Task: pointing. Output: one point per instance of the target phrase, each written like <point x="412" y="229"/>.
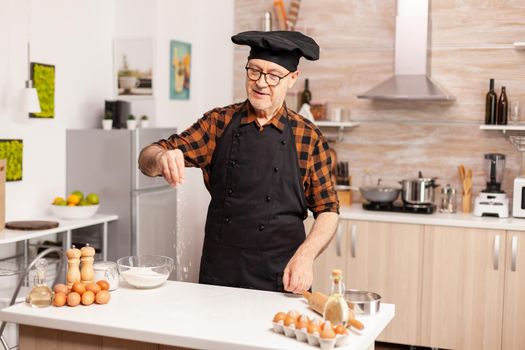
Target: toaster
<point x="518" y="198"/>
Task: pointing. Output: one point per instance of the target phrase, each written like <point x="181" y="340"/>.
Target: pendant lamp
<point x="30" y="101"/>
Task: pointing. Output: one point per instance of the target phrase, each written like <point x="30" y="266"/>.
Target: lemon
<point x="92" y="198"/>
<point x="58" y="201"/>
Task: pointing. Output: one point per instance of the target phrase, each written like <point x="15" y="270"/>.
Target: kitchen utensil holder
<point x="466" y="204"/>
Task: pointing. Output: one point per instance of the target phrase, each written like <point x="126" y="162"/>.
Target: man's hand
<point x="298" y="274"/>
<point x="171" y="165"/>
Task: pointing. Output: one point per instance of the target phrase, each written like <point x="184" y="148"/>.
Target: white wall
<point x="77" y="37"/>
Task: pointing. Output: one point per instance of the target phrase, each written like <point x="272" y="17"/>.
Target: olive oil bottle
<point x="41" y="295"/>
<point x="336" y="308"/>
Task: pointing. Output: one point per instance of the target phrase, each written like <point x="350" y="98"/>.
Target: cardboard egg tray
<point x="312" y="339"/>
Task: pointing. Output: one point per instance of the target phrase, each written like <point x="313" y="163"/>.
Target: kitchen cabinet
<point x="332" y="257"/>
<point x="514" y="303"/>
<point x="462" y="290"/>
<point x="453" y="287"/>
<point x="386" y="258"/>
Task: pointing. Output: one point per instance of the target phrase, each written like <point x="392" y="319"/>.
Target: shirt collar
<point x="277" y="120"/>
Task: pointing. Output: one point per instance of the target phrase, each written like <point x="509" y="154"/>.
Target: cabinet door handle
<point x="514" y="249"/>
<point x="338" y="237"/>
<point x="353" y="237"/>
<point x="495" y="263"/>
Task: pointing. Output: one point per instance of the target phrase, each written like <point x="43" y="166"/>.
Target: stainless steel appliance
<point x="105" y="162"/>
<point x="492" y="201"/>
<point x="518" y="198"/>
<point x="417" y="195"/>
<point x="419" y="191"/>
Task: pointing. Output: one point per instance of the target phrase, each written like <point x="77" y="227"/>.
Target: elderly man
<point x="264" y="166"/>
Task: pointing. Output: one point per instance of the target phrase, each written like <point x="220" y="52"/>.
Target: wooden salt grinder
<point x="87" y="272"/>
<point x="73" y="270"/>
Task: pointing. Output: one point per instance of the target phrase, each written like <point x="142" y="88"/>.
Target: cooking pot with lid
<point x="380" y="193"/>
<point x="419" y="191"/>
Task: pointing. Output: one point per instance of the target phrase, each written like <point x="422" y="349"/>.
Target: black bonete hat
<point x="282" y="47"/>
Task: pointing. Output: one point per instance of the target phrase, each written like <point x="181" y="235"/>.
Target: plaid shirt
<point x="198" y="143"/>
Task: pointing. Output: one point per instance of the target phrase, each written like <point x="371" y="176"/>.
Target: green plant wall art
<point x="12" y="151"/>
<point x="43" y="76"/>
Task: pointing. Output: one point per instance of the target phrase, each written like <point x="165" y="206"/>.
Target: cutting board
<point x="31" y="225"/>
<point x="2" y="193"/>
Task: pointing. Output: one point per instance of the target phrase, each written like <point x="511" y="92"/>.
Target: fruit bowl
<point x="145" y="271"/>
<point x="74" y="212"/>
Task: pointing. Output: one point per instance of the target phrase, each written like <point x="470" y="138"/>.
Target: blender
<point x="492" y="201"/>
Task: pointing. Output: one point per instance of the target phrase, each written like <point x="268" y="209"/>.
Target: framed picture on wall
<point x="12" y="151"/>
<point x="43" y="77"/>
<point x="180" y="70"/>
<point x="133" y="67"/>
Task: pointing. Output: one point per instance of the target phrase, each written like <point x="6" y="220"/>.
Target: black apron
<point x="255" y="217"/>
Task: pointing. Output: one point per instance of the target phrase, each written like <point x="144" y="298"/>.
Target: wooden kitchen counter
<point x="177" y="315"/>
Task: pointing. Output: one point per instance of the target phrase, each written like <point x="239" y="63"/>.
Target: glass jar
<point x="448" y="200"/>
<point x="107" y="270"/>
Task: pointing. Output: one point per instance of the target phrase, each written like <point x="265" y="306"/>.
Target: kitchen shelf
<point x="519" y="45"/>
<point x="340" y="125"/>
<point x="514" y="133"/>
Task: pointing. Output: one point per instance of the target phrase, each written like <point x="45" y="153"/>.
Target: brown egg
<point x="289" y="321"/>
<point x="61" y="288"/>
<point x="326" y="324"/>
<point x="103" y="284"/>
<point x="88" y="297"/>
<point x="102" y="297"/>
<point x="95" y="288"/>
<point x="313" y="327"/>
<point x="302" y="322"/>
<point x="340" y="329"/>
<point x="327" y="333"/>
<point x="280" y="316"/>
<point x="60" y="299"/>
<point x="293" y="313"/>
<point x="73" y="299"/>
<point x="78" y="287"/>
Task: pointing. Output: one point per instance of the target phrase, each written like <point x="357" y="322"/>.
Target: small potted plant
<point x="131" y="122"/>
<point x="107" y="122"/>
<point x="144" y="121"/>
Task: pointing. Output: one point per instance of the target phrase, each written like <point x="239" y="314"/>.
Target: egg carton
<point x="312" y="339"/>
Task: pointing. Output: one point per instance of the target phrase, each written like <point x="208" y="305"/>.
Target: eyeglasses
<point x="270" y="79"/>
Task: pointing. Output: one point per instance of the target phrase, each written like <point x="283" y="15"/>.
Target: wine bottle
<point x="491" y="103"/>
<point x="306" y="95"/>
<point x="503" y="107"/>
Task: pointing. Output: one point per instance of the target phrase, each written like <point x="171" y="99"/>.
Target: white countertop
<point x="356" y="212"/>
<point x="10" y="236"/>
<point x="190" y="315"/>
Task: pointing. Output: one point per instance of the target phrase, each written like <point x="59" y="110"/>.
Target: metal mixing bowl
<point x="364" y="303"/>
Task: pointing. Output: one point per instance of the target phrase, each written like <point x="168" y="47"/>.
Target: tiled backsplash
<point x="470" y="43"/>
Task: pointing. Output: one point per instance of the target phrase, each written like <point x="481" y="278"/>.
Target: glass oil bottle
<point x="41" y="295"/>
<point x="336" y="308"/>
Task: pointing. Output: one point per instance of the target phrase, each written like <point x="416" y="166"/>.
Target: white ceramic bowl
<point x="145" y="271"/>
<point x="76" y="212"/>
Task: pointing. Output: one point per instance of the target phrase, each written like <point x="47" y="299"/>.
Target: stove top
<point x="400" y="208"/>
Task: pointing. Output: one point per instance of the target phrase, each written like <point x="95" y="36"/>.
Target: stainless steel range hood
<point x="411" y="80"/>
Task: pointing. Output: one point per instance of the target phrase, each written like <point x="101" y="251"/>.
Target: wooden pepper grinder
<point x="73" y="262"/>
<point x="87" y="272"/>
